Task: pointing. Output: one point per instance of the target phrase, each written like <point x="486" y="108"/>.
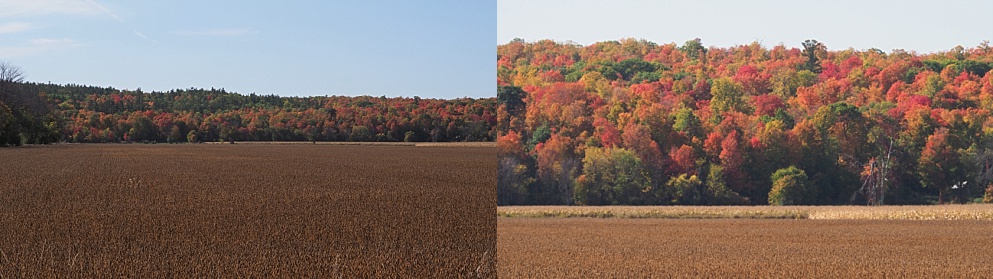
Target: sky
<point x="921" y="26"/>
<point x="431" y="49"/>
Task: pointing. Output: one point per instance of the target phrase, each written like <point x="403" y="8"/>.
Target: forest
<point x="635" y="122"/>
<point x="46" y="113"/>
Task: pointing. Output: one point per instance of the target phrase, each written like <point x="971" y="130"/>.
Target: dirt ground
<point x="743" y="248"/>
<point x="258" y="211"/>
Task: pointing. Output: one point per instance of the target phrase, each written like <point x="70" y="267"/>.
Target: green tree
<point x="728" y="96"/>
<point x="541" y="134"/>
<point x="717" y="192"/>
<point x="613" y="176"/>
<point x="686" y="189"/>
<point x="810" y="50"/>
<point x="513" y="98"/>
<point x="785" y="82"/>
<point x="688" y="123"/>
<point x="789" y="187"/>
<point x="26" y="117"/>
<point x="513" y="181"/>
<point x="360" y="133"/>
<point x="175" y="135"/>
<point x="192" y="136"/>
<point x="143" y="130"/>
<point x="694" y="49"/>
<point x="629" y="68"/>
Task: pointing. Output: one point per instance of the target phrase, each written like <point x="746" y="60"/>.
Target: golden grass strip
<point x="921" y="212"/>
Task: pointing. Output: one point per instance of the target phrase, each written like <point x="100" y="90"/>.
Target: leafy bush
<point x="686" y="189"/>
<point x="717" y="192"/>
<point x="612" y="176"/>
<point x="789" y="186"/>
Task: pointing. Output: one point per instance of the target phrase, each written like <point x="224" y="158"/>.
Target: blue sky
<point x="921" y="26"/>
<point x="432" y="49"/>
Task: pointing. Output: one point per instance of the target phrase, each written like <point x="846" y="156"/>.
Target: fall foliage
<point x="688" y="124"/>
<point x="96" y="114"/>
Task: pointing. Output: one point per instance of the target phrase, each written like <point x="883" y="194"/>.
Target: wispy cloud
<point x="37" y="46"/>
<point x="28" y="8"/>
<point x="14" y="27"/>
<point x="54" y="42"/>
<point x="216" y="32"/>
<point x="144" y="37"/>
<point x="22" y="8"/>
<point x="104" y="9"/>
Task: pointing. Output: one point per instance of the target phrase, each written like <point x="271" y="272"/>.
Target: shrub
<point x="612" y="176"/>
<point x="789" y="186"/>
<point x="686" y="190"/>
<point x="717" y="192"/>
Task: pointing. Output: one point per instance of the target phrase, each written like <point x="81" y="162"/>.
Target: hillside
<point x="636" y="122"/>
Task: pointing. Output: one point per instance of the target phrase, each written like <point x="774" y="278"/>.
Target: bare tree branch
<point x="10" y="73"/>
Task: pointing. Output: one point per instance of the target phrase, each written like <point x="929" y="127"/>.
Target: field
<point x="421" y="144"/>
<point x="324" y="211"/>
<point x="745" y="242"/>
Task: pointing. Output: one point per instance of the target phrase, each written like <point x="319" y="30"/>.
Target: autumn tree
<point x="939" y="166"/>
<point x="735" y="116"/>
<point x="785" y="82"/>
<point x="557" y="168"/>
<point x="637" y="139"/>
<point x="728" y="96"/>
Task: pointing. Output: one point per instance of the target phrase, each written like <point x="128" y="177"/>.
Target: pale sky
<point x="431" y="48"/>
<point x="922" y="26"/>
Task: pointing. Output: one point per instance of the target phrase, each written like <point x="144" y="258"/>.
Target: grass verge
<point x="923" y="212"/>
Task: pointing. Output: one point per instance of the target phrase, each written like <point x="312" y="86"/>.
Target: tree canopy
<point x="43" y="113"/>
<point x="713" y="125"/>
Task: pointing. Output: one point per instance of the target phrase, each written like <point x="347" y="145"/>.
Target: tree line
<point x="45" y="113"/>
<point x="636" y="122"/>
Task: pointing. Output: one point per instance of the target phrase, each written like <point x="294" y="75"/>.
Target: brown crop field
<point x="743" y="248"/>
<point x="312" y="211"/>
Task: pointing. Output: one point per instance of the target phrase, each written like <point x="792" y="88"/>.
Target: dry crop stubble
<point x="890" y="212"/>
<point x="247" y="211"/>
<point x="743" y="248"/>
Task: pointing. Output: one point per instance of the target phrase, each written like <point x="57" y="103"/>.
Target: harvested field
<point x="916" y="212"/>
<point x="743" y="248"/>
<point x="313" y="211"/>
<point x="421" y="144"/>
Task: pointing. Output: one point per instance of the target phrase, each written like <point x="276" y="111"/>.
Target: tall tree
<point x="810" y="50"/>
